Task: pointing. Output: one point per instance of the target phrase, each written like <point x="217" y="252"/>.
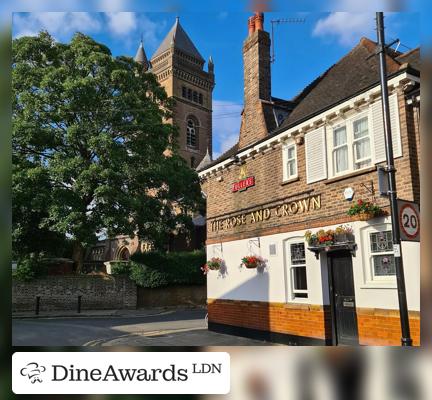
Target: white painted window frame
<point x="348" y="123"/>
<point x="289" y="278"/>
<point x="286" y="175"/>
<point x="370" y="280"/>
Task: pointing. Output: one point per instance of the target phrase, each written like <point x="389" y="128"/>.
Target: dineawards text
<point x="112" y="374"/>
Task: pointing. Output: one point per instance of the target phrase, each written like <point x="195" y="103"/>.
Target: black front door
<point x="343" y="298"/>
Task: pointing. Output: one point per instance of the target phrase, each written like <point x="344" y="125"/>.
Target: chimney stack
<point x="257" y="83"/>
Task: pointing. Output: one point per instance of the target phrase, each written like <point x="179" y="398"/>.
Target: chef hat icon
<point x="33" y="371"/>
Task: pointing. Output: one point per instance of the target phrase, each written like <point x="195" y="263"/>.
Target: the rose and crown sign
<point x="281" y="210"/>
<point x="244" y="181"/>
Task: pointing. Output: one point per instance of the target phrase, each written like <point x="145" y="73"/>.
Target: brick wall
<point x="60" y="293"/>
<point x="269" y="189"/>
<point x="375" y="326"/>
<point x="294" y="319"/>
<point x="382" y="327"/>
<point x="257" y="87"/>
<point x="185" y="295"/>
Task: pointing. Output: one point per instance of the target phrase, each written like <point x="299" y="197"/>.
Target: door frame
<point x="334" y="338"/>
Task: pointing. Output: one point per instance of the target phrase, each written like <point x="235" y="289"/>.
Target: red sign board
<point x="243" y="184"/>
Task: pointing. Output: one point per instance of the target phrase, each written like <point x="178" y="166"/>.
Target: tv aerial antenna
<point x="278" y="22"/>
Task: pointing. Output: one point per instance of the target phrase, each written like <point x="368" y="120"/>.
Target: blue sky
<point x="303" y="50"/>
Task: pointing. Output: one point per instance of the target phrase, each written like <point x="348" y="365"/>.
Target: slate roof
<point x="205" y="161"/>
<point x="352" y="74"/>
<point x="141" y="57"/>
<point x="181" y="41"/>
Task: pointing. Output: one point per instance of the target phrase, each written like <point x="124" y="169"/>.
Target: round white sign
<point x="409" y="221"/>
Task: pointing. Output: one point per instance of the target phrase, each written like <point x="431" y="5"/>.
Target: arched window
<point x="189" y="96"/>
<point x="200" y="98"/>
<point x="184" y="91"/>
<point x="195" y="97"/>
<point x="191" y="132"/>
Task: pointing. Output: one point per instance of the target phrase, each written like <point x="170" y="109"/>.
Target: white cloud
<point x="226" y="125"/>
<point x="121" y="23"/>
<point x="347" y="28"/>
<point x="57" y="24"/>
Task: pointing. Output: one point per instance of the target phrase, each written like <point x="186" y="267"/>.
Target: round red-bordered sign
<point x="409" y="221"/>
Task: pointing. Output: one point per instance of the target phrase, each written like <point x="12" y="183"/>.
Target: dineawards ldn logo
<point x="33" y="371"/>
<point x="121" y="373"/>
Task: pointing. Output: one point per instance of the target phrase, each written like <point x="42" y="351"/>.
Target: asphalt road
<point x="171" y="328"/>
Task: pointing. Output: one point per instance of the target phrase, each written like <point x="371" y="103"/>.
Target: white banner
<point x="120" y="373"/>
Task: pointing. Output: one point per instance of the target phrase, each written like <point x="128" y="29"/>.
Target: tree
<point x="93" y="152"/>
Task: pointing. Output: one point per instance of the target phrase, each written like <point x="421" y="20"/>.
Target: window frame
<point x="348" y="123"/>
<point x="286" y="176"/>
<point x="370" y="280"/>
<point x="195" y="127"/>
<point x="291" y="291"/>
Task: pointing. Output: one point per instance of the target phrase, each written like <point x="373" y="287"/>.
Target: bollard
<point x="79" y="304"/>
<point x="37" y="305"/>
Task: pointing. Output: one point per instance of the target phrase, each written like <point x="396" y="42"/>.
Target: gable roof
<point x="180" y="39"/>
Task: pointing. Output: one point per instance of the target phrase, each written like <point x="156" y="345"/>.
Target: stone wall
<point x="61" y="293"/>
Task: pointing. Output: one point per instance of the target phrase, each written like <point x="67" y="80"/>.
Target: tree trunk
<point x="78" y="256"/>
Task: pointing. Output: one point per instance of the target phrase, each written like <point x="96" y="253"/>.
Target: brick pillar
<point x="257" y="82"/>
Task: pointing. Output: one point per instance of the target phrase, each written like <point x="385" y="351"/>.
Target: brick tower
<point x="179" y="68"/>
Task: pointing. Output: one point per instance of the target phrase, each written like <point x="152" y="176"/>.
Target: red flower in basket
<point x="253" y="262"/>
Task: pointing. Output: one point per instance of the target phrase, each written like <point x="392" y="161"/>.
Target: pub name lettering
<point x="283" y="210"/>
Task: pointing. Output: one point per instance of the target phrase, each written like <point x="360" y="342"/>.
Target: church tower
<point x="179" y="68"/>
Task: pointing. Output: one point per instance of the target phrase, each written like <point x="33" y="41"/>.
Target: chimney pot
<point x="259" y="21"/>
<point x="251" y="25"/>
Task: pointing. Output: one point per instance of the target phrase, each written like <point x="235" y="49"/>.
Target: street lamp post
<point x="391" y="171"/>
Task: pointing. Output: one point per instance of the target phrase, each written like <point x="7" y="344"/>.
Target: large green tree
<point x="93" y="152"/>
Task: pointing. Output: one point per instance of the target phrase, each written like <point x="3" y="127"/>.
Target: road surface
<point x="169" y="328"/>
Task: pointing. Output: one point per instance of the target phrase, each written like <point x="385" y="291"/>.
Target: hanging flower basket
<point x="365" y="210"/>
<point x="252" y="262"/>
<point x="214" y="264"/>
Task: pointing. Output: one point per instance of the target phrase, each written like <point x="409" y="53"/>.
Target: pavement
<point x="99" y="313"/>
<point x="150" y="327"/>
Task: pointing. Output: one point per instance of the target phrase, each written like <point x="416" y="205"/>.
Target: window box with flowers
<point x="365" y="210"/>
<point x="331" y="239"/>
<point x="251" y="262"/>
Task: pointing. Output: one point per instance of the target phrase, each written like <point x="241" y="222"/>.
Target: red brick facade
<point x="270" y="189"/>
<point x="376" y="327"/>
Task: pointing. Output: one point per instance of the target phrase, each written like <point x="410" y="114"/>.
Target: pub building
<point x="283" y="191"/>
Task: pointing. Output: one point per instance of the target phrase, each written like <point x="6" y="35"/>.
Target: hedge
<point x="156" y="269"/>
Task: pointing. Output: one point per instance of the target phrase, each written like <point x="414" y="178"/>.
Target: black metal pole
<point x="403" y="309"/>
<point x="79" y="304"/>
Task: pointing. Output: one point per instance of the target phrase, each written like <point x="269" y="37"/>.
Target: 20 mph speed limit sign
<point x="409" y="221"/>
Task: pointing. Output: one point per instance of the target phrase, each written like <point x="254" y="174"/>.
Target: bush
<point x="156" y="269"/>
<point x="29" y="268"/>
<point x="120" y="268"/>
